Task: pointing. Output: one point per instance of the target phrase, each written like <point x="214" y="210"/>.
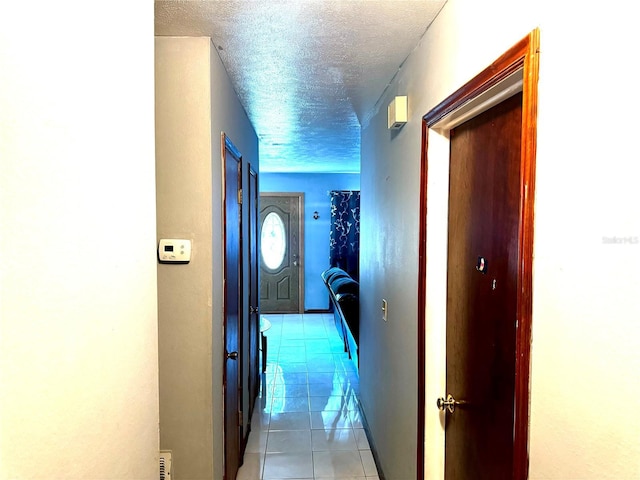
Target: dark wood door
<point x="484" y="203"/>
<point x="232" y="309"/>
<point x="281" y="262"/>
<point x="254" y="294"/>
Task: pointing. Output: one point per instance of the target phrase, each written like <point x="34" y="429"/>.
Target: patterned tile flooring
<point x="306" y="424"/>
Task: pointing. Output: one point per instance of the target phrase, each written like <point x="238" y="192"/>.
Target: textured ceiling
<point x="308" y="72"/>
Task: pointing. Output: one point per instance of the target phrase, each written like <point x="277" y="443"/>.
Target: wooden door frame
<point x="253" y="201"/>
<point x="301" y="271"/>
<point x="517" y="69"/>
<point x="226" y="145"/>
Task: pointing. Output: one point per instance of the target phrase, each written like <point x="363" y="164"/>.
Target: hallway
<point x="306" y="424"/>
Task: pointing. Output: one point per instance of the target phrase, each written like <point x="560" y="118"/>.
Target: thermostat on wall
<point x="174" y="250"/>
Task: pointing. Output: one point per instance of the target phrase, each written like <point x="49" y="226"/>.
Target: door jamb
<point x="253" y="203"/>
<point x="481" y="93"/>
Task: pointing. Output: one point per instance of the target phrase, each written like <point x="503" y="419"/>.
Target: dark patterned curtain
<point x="344" y="251"/>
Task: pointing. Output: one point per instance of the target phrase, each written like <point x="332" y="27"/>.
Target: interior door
<point x="254" y="311"/>
<point x="281" y="269"/>
<point x="482" y="284"/>
<point x="232" y="308"/>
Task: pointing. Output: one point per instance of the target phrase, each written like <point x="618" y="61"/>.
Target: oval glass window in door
<point x="273" y="241"/>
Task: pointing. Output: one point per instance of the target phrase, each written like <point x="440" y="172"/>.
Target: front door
<point x="281" y="253"/>
<point x="232" y="385"/>
<point x="482" y="283"/>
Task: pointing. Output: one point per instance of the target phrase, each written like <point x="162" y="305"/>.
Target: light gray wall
<point x="194" y="104"/>
<point x="390" y="176"/>
<point x="585" y="330"/>
<point x="229" y="116"/>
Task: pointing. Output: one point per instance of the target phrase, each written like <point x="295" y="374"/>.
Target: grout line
<point x="278" y="335"/>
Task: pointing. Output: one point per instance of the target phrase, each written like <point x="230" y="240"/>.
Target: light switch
<point x="174" y="250"/>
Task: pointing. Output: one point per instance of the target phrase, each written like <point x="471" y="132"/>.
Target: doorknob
<point x="448" y="404"/>
<point x="232" y="355"/>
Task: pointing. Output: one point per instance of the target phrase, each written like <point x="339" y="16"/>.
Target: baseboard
<point x="317" y="310"/>
<point x="374" y="451"/>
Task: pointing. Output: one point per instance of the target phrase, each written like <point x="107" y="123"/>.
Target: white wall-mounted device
<point x="174" y="250"/>
<point x="397" y="113"/>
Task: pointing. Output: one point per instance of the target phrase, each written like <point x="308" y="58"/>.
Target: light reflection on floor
<point x="306" y="424"/>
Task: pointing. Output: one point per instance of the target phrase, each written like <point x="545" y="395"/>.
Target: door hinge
<point x="240" y="418"/>
<point x="239" y="196"/>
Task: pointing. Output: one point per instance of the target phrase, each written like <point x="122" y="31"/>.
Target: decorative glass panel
<point x="273" y="241"/>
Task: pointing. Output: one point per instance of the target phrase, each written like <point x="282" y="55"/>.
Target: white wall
<point x="78" y="331"/>
<point x="586" y="336"/>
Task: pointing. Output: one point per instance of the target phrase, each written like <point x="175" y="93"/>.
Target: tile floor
<point x="306" y="424"/>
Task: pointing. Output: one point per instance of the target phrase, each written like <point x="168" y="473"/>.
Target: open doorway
<point x="317" y="221"/>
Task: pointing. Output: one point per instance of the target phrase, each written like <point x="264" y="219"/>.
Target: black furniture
<point x="344" y="294"/>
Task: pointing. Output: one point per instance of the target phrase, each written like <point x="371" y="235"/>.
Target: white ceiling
<point x="308" y="72"/>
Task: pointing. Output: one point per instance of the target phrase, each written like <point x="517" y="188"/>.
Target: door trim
<point x="230" y="462"/>
<point x="517" y="69"/>
<point x="253" y="203"/>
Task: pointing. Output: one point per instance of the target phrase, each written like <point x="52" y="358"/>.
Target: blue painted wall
<point x="316" y="187"/>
